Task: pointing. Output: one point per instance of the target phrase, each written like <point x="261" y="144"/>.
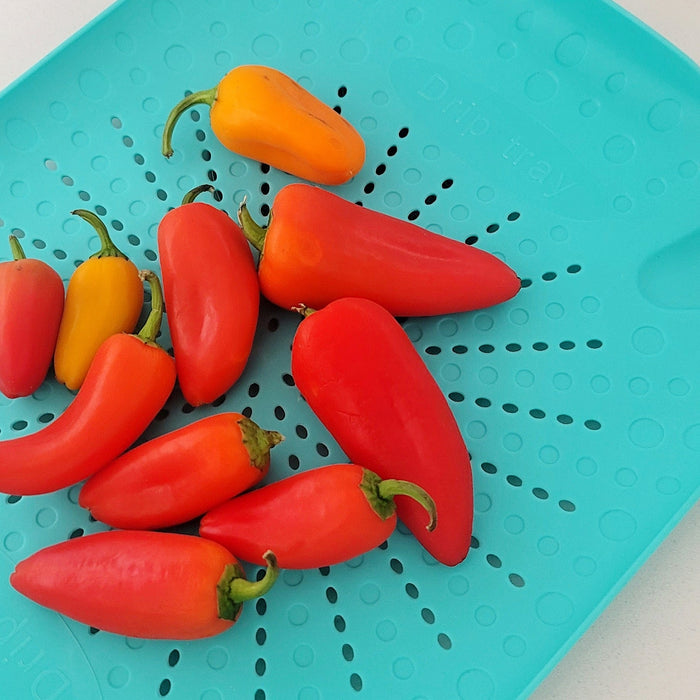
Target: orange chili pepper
<point x="128" y="382"/>
<point x="261" y="113"/>
<point x="104" y="297"/>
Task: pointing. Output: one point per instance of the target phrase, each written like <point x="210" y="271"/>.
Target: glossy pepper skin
<point x="363" y="378"/>
<point x="314" y="518"/>
<point x="104" y="297"/>
<point x="263" y="114"/>
<point x="176" y="477"/>
<point x="212" y="297"/>
<point x="152" y="585"/>
<point x="31" y="304"/>
<point x="319" y="247"/>
<point x="129" y="381"/>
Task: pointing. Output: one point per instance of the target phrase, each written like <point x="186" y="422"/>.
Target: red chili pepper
<point x="364" y="379"/>
<point x="31" y="304"/>
<point x="175" y="477"/>
<point x="314" y="518"/>
<point x="211" y="294"/>
<point x="137" y="583"/>
<point x="127" y="383"/>
<point x="319" y="247"/>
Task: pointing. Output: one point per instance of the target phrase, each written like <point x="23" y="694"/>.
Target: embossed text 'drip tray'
<point x="562" y="136"/>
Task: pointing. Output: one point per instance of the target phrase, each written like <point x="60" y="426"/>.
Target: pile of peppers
<point x="348" y="272"/>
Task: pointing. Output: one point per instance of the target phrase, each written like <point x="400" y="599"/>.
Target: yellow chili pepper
<point x="261" y="113"/>
<point x="104" y="297"/>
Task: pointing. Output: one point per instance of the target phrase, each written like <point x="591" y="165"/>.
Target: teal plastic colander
<point x="562" y="136"/>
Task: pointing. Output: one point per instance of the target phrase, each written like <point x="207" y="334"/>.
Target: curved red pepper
<point x="314" y="518"/>
<point x="137" y="583"/>
<point x="362" y="376"/>
<point x="128" y="382"/>
<point x="175" y="477"/>
<point x="31" y="304"/>
<point x="319" y="247"/>
<point x="211" y="294"/>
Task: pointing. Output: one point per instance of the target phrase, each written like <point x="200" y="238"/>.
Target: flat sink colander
<point x="561" y="136"/>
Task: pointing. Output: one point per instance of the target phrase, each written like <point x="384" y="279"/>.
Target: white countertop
<point x="646" y="644"/>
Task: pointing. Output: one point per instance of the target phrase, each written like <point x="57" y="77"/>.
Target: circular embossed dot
<point x="450" y="372"/>
<point x="412" y="175"/>
<point x="13" y="541"/>
<point x="21" y="134"/>
<point x="656" y="186"/>
<point x="549" y="454"/>
<point x="134" y="643"/>
<point x="527" y="246"/>
<point x="217" y="658"/>
<point x="369" y="593"/>
<point x="476" y="429"/>
<point x="688" y="169"/>
<point x="482" y="502"/>
<point x="393" y="199"/>
<point x="151" y="105"/>
<point x="485" y="193"/>
<point x="386" y="630"/>
<point x="600" y="384"/>
<point x="46" y="517"/>
<point x="165" y="14"/>
<point x="512" y="442"/>
<point x="19" y="188"/>
<point x="514" y="646"/>
<point x="638" y="386"/>
<point x="118" y="676"/>
<point x="626" y="477"/>
<point x="586" y="466"/>
<point x="562" y="381"/>
<point x="292" y="577"/>
<point x="507" y="50"/>
<point x="525" y="20"/>
<point x="403" y="668"/>
<point x="691" y="437"/>
<point x="93" y="84"/>
<point x="309" y="693"/>
<point x="519" y="317"/>
<point x="648" y="340"/>
<point x="619" y="149"/>
<point x="483" y="322"/>
<point x="623" y="203"/>
<point x="589" y="108"/>
<point x="559" y="233"/>
<point x="475" y="683"/>
<point x="514" y="524"/>
<point x="525" y="378"/>
<point x="665" y="115"/>
<point x="303" y="656"/>
<point x="458" y="36"/>
<point x="298" y="614"/>
<point x="584" y="566"/>
<point x="668" y="485"/>
<point x="554" y="608"/>
<point x="458" y="584"/>
<point x="616" y="82"/>
<point x="79" y="139"/>
<point x="448" y="327"/>
<point x="554" y="310"/>
<point x="218" y="29"/>
<point x="45" y="208"/>
<point x="646" y="432"/>
<point x="617" y="525"/>
<point x="459" y="212"/>
<point x="488" y="375"/>
<point x="223" y="58"/>
<point x="211" y="694"/>
<point x="678" y="386"/>
<point x="354" y="50"/>
<point x="485" y="615"/>
<point x="571" y="50"/>
<point x="431" y="152"/>
<point x="548" y="546"/>
<point x="99" y="163"/>
<point x="177" y="57"/>
<point x="590" y="304"/>
<point x="59" y="111"/>
<point x="266" y="45"/>
<point x="540" y="87"/>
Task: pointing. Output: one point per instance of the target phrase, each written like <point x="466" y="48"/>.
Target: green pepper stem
<point x="303" y="309"/>
<point x="195" y="192"/>
<point x="258" y="442"/>
<point x="108" y="249"/>
<point x="240" y="589"/>
<point x="16" y="248"/>
<point x="202" y="97"/>
<point x="252" y="230"/>
<point x="388" y="488"/>
<point x="151" y="327"/>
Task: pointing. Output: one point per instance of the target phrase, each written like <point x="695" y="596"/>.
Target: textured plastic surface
<point x="560" y="135"/>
